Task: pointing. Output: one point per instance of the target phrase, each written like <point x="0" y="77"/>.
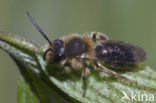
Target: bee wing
<point x="118" y="52"/>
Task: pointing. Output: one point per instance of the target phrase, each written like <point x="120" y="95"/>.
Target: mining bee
<point x="78" y="50"/>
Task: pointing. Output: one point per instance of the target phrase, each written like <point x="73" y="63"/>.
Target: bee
<point x="93" y="47"/>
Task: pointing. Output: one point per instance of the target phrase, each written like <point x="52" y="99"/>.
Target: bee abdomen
<point x="116" y="52"/>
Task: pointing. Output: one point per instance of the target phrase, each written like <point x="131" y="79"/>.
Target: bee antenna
<point x="39" y="29"/>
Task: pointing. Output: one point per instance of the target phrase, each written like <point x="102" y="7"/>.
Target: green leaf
<point x="24" y="93"/>
<point x="51" y="85"/>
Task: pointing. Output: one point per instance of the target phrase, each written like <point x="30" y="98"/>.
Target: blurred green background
<point x="133" y="21"/>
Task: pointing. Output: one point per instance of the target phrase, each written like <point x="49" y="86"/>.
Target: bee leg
<point x="110" y="72"/>
<point x="84" y="75"/>
<point x="94" y="37"/>
<point x="67" y="66"/>
<point x="101" y="36"/>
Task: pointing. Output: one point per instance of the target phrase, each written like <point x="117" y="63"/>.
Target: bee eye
<point x="59" y="46"/>
<point x="59" y="43"/>
<point x="59" y="51"/>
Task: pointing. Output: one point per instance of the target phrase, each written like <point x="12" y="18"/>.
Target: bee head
<point x="56" y="51"/>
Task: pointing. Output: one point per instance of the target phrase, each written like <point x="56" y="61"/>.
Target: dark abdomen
<point x="117" y="52"/>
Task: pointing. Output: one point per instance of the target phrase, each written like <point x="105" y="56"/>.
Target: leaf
<point x="24" y="94"/>
<point x="51" y="85"/>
